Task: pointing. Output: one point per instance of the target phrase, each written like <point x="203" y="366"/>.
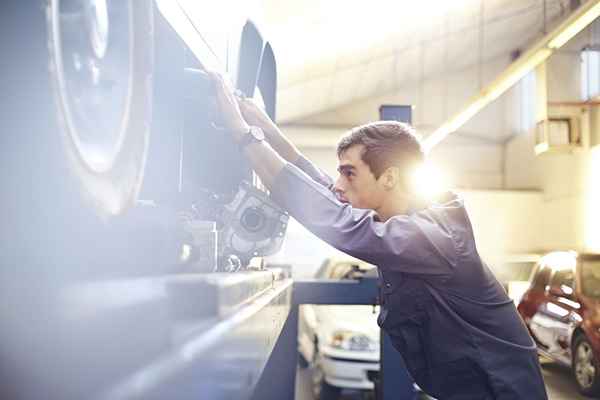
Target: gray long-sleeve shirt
<point x="457" y="330"/>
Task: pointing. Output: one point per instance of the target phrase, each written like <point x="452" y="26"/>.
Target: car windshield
<point x="345" y="270"/>
<point x="590" y="278"/>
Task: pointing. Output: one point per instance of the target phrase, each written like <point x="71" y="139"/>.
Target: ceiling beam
<point x="534" y="56"/>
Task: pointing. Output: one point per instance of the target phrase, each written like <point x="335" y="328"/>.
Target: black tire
<point x="586" y="368"/>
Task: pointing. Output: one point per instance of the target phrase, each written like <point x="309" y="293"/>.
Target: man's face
<point x="356" y="183"/>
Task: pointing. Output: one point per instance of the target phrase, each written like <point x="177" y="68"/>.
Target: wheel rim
<point x="92" y="47"/>
<point x="585" y="370"/>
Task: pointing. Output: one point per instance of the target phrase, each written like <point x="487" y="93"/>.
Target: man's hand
<point x="239" y="113"/>
<point x="254" y="115"/>
<point x="228" y="105"/>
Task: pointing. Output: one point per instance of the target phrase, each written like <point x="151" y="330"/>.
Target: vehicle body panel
<point x="556" y="309"/>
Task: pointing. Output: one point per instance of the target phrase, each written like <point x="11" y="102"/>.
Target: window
<point x="564" y="280"/>
<point x="339" y="271"/>
<point x="541" y="277"/>
<point x="590" y="73"/>
<point x="558" y="133"/>
<point x="322" y="271"/>
<point x="527" y="95"/>
<point x="590" y="278"/>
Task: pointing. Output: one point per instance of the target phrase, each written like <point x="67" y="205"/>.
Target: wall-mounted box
<point x="558" y="134"/>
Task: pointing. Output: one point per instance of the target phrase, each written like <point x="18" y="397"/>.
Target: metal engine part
<point x="202" y="254"/>
<point x="253" y="225"/>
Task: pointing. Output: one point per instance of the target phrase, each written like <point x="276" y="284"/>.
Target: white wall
<point x="505" y="221"/>
<point x="550" y="201"/>
<point x="471" y="158"/>
<point x="567" y="180"/>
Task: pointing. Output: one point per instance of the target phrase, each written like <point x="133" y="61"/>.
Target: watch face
<point x="257" y="133"/>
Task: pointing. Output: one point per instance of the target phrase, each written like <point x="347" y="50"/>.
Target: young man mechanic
<point x="457" y="330"/>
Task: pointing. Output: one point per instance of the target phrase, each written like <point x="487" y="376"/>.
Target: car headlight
<point x="353" y="341"/>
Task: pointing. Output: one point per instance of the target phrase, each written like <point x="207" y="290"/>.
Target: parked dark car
<point x="561" y="308"/>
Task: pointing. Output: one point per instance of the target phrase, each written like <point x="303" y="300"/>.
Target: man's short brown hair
<point x="386" y="144"/>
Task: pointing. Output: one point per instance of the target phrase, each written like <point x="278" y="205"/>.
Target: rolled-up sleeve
<point x="411" y="244"/>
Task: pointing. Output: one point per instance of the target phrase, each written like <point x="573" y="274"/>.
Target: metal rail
<point x="278" y="380"/>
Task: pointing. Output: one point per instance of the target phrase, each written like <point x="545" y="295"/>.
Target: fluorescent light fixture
<point x="588" y="13"/>
<point x="516" y="72"/>
<point x="453" y="124"/>
<point x="513" y="74"/>
<point x="535" y="56"/>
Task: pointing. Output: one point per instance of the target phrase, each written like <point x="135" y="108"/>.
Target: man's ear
<point x="390" y="178"/>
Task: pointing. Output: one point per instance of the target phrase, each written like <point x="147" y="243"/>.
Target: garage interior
<point x="440" y="66"/>
<point x="441" y="59"/>
<point x="503" y="94"/>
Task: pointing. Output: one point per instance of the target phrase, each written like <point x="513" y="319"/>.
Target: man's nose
<point x="338" y="189"/>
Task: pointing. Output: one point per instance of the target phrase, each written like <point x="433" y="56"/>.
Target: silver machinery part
<point x="253" y="225"/>
<point x="201" y="256"/>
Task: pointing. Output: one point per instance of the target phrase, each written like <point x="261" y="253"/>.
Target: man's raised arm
<point x="410" y="244"/>
<point x="254" y="115"/>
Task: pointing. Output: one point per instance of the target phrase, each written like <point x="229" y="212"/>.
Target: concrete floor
<point x="559" y="384"/>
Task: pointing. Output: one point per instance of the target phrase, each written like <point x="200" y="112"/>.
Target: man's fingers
<point x="222" y="88"/>
<point x="219" y="81"/>
<point x="216" y="78"/>
<point x="246" y="103"/>
<point x="223" y="85"/>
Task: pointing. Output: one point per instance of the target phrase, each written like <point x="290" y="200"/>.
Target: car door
<point x="535" y="294"/>
<point x="557" y="315"/>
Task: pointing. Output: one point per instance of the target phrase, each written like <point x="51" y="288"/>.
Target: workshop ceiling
<point x="334" y="53"/>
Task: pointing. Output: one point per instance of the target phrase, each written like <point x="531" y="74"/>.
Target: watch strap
<point x="247" y="139"/>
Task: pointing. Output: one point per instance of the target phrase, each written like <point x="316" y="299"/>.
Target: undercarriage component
<point x="253" y="225"/>
<point x="98" y="301"/>
<point x="203" y="250"/>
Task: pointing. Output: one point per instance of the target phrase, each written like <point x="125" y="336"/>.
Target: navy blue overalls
<point x="458" y="332"/>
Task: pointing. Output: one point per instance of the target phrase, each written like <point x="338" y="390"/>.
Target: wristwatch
<point x="254" y="135"/>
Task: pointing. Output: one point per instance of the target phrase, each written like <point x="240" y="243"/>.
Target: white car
<point x="340" y="344"/>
